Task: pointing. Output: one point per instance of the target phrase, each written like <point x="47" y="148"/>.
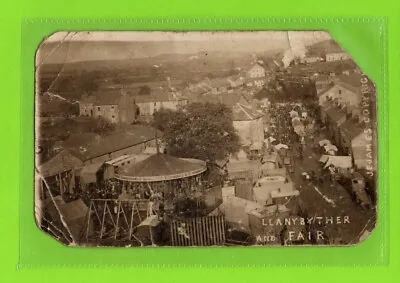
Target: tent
<point x="293" y="114"/>
<point x="299" y="130"/>
<point x="343" y="162"/>
<point x="324" y="142"/>
<point x="332" y="152"/>
<point x="280" y="146"/>
<point x="330" y="147"/>
<point x="324" y="158"/>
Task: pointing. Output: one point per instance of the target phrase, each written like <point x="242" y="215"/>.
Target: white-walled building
<point x="249" y="125"/>
<point x="113" y="107"/>
<point x="148" y="104"/>
<point x="337" y="56"/>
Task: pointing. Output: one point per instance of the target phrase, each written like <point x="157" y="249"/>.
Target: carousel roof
<point x="162" y="167"/>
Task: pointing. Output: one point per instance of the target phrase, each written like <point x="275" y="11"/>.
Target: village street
<point x="328" y="199"/>
<point x="319" y="198"/>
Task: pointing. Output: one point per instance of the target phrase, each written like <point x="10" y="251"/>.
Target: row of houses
<point x="122" y="108"/>
<point x="255" y="76"/>
<point x="349" y="117"/>
<point x="329" y="57"/>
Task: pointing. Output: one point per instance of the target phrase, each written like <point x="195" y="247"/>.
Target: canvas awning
<point x="330" y="147"/>
<point x="343" y="162"/>
<point x="324" y="142"/>
<point x="324" y="158"/>
<point x="89" y="173"/>
<point x="280" y="146"/>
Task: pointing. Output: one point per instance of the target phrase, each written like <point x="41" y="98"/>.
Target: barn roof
<point x="63" y="161"/>
<point x="134" y="135"/>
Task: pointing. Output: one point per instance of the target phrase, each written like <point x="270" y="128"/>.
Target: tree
<point x="201" y="131"/>
<point x="144" y="90"/>
<point x="101" y="125"/>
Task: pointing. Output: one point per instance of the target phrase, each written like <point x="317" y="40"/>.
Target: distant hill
<point x="100" y="59"/>
<point x="323" y="47"/>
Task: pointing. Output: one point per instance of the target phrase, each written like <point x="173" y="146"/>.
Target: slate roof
<point x="244" y="113"/>
<point x="79" y="139"/>
<point x="336" y="113"/>
<point x="352" y="128"/>
<point x="134" y="135"/>
<point x="228" y="99"/>
<point x="352" y="79"/>
<point x="63" y="161"/>
<point x="157" y="97"/>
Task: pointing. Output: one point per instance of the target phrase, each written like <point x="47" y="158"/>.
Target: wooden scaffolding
<point x="110" y="219"/>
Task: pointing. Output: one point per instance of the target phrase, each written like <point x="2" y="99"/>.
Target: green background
<point x="39" y="258"/>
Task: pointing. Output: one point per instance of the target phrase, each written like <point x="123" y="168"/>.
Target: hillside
<point x="323" y="47"/>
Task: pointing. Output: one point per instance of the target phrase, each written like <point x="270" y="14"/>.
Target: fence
<point x="199" y="231"/>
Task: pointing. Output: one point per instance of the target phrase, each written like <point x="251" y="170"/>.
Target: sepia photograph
<point x="193" y="139"/>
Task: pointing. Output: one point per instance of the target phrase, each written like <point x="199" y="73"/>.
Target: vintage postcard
<point x="203" y="139"/>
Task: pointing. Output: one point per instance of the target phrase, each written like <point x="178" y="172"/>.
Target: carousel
<point x="162" y="173"/>
<point x="150" y="190"/>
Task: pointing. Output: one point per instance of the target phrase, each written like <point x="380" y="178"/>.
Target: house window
<point x="98" y="108"/>
<point x="113" y="116"/>
<point x="340" y="91"/>
<point x="112" y="107"/>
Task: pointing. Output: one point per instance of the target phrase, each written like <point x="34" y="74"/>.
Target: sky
<point x="87" y="46"/>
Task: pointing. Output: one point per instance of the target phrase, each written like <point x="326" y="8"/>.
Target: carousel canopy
<point x="162" y="167"/>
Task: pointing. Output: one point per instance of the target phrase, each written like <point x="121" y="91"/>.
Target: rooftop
<point x="134" y="135"/>
<point x="78" y="139"/>
<point x="157" y="97"/>
<point x="352" y="128"/>
<point x="352" y="79"/>
<point x="256" y="66"/>
<point x="218" y="82"/>
<point x="63" y="161"/>
<point x="336" y="113"/>
<point x="244" y="113"/>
